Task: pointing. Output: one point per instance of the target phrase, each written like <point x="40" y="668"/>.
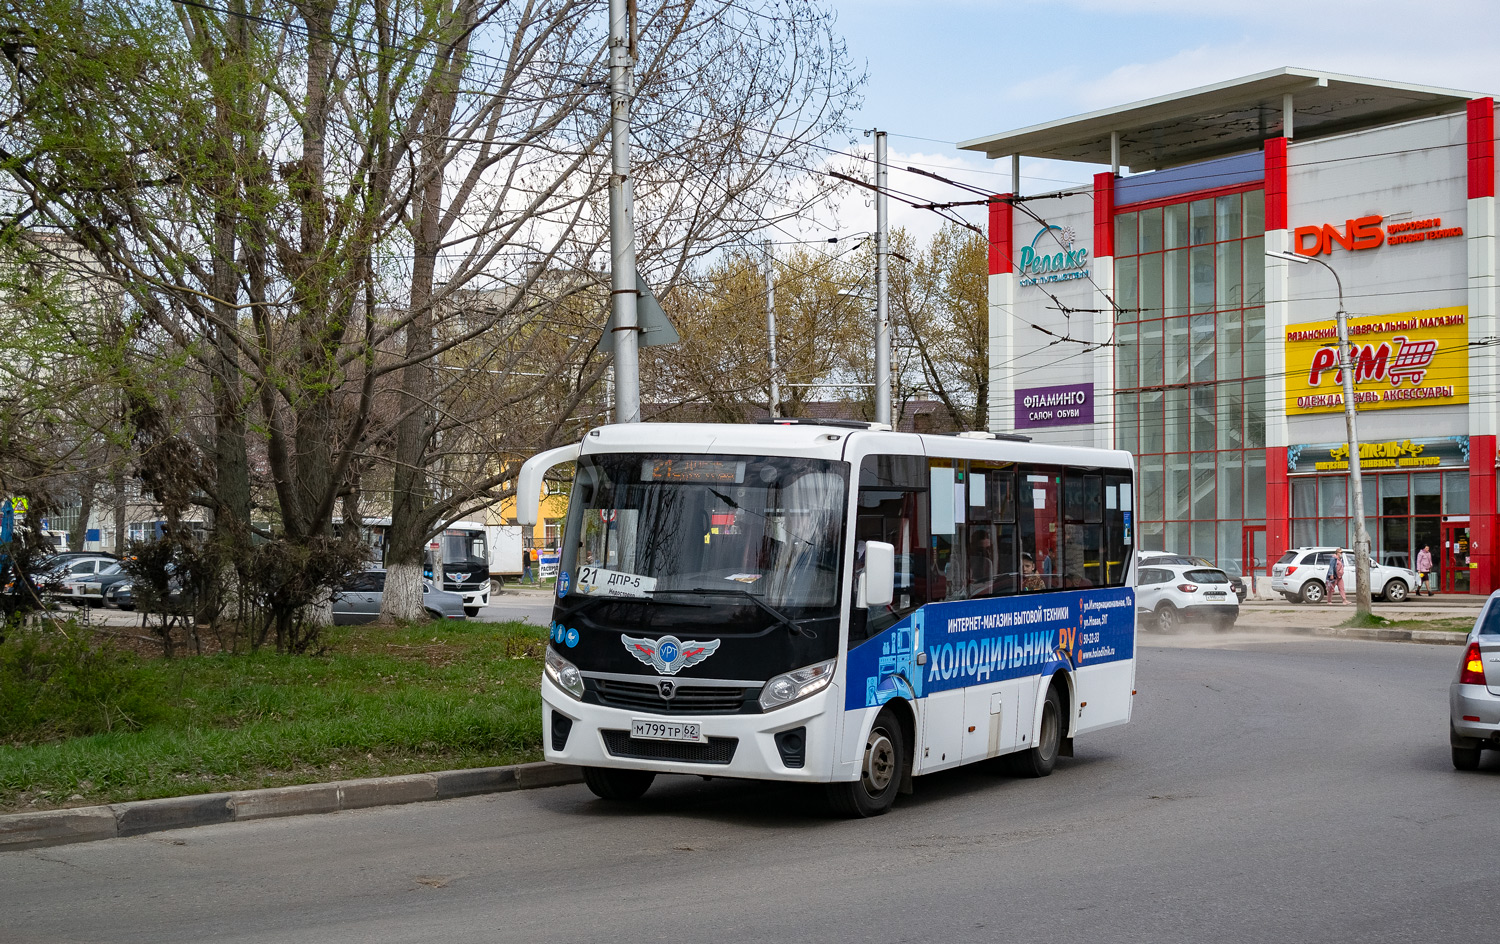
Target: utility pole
<point x="622" y="287"/>
<point x="1356" y="482"/>
<point x="775" y="403"/>
<point x="1361" y="539"/>
<point x="882" y="311"/>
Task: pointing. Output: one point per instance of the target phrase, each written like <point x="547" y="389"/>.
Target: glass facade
<point x="1403" y="511"/>
<point x="1190" y="342"/>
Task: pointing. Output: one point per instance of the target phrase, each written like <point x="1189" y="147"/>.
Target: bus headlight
<point x="796" y="685"/>
<point x="564" y="674"/>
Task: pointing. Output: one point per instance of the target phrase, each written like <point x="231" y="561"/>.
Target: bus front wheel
<point x="1039" y="760"/>
<point x="880" y="774"/>
<point x="607" y="783"/>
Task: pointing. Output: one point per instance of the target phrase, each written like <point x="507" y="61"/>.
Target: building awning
<point x="1227" y="118"/>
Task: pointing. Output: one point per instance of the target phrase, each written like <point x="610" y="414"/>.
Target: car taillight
<point x="1473" y="670"/>
<point x="1292" y="569"/>
<point x="1188" y="587"/>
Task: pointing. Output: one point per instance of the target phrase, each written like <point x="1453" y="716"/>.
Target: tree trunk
<point x="80" y="531"/>
<point x="120" y="530"/>
<point x="403" y="592"/>
<point x="409" y="498"/>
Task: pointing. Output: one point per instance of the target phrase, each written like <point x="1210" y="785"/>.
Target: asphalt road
<point x="1281" y="790"/>
<point x="534" y="607"/>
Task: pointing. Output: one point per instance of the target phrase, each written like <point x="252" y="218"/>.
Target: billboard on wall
<point x="1417" y="358"/>
<point x="1400" y="454"/>
<point x="1060" y="405"/>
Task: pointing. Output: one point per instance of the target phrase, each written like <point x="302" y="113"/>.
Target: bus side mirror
<point x="880" y="573"/>
<point x="529" y="482"/>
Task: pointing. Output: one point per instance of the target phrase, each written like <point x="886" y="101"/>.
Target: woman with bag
<point x="1424" y="570"/>
<point x="1336" y="577"/>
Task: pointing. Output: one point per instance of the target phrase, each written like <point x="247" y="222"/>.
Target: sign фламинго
<point x="1058" y="405"/>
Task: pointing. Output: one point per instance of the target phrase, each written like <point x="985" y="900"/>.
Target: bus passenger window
<point x="1039" y="520"/>
<point x="1083" y="510"/>
<point x="992" y="513"/>
<point x="948" y="509"/>
<point x="1118" y="542"/>
<point x="892" y="507"/>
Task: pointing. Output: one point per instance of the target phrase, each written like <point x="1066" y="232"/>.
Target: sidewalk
<point x="516" y="589"/>
<point x="1322" y="619"/>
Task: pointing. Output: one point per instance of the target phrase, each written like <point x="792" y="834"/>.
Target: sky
<point x="943" y="71"/>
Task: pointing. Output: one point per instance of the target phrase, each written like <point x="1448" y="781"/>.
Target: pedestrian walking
<point x="1424" y="570"/>
<point x="1336" y="577"/>
<point x="526" y="572"/>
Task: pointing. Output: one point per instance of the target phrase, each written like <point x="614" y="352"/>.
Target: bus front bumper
<point x="738" y="745"/>
<point x="480" y="597"/>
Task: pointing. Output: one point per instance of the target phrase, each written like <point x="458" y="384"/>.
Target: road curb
<point x="118" y="820"/>
<point x="1424" y="636"/>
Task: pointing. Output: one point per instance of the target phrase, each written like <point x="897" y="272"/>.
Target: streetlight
<point x="1346" y="368"/>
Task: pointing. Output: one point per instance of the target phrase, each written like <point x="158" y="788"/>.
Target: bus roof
<point x="810" y="439"/>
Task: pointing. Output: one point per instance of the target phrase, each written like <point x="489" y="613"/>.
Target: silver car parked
<point x="1474" y="697"/>
<point x="360" y="598"/>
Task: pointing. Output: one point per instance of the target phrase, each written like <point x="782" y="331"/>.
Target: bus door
<point x="1104" y="648"/>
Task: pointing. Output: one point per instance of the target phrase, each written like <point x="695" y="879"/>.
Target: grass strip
<point x="1446" y="625"/>
<point x="379" y="701"/>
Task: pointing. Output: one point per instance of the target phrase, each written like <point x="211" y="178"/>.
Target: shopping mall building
<point x="1144" y="312"/>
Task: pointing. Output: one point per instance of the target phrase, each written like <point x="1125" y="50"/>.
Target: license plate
<point x="667" y="731"/>
<point x="1216" y="594"/>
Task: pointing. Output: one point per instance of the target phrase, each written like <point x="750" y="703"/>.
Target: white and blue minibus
<point x="833" y="603"/>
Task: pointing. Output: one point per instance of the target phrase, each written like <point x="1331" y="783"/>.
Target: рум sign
<point x="1063" y="405"/>
<point x="1416" y="358"/>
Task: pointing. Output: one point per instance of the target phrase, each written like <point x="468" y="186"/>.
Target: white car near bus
<point x="833" y="603"/>
<point x="1302" y="576"/>
<point x="1173" y="594"/>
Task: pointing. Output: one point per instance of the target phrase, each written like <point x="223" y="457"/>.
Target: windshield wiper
<point x="792" y="625"/>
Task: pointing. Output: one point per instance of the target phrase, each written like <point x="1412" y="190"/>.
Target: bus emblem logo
<point x="667" y="688"/>
<point x="669" y="655"/>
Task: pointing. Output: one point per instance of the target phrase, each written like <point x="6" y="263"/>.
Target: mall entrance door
<point x="1453" y="577"/>
<point x="1253" y="560"/>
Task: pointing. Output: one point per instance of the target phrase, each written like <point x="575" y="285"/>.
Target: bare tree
<point x="730" y="98"/>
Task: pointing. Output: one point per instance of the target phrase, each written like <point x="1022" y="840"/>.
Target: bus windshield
<point x="463" y="546"/>
<point x="661" y="526"/>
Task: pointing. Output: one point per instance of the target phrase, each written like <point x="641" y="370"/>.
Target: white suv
<point x="1171" y="594"/>
<point x="1302" y="576"/>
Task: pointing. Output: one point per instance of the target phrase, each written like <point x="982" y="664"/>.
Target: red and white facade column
<point x="1278" y="315"/>
<point x="1104" y="316"/>
<point x="1003" y="285"/>
<point x="1484" y="353"/>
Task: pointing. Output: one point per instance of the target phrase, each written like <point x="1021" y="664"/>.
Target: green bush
<point x="55" y="683"/>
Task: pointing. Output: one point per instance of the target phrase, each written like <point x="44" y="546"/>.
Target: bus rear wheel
<point x="607" y="783"/>
<point x="881" y="772"/>
<point x="1039" y="760"/>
